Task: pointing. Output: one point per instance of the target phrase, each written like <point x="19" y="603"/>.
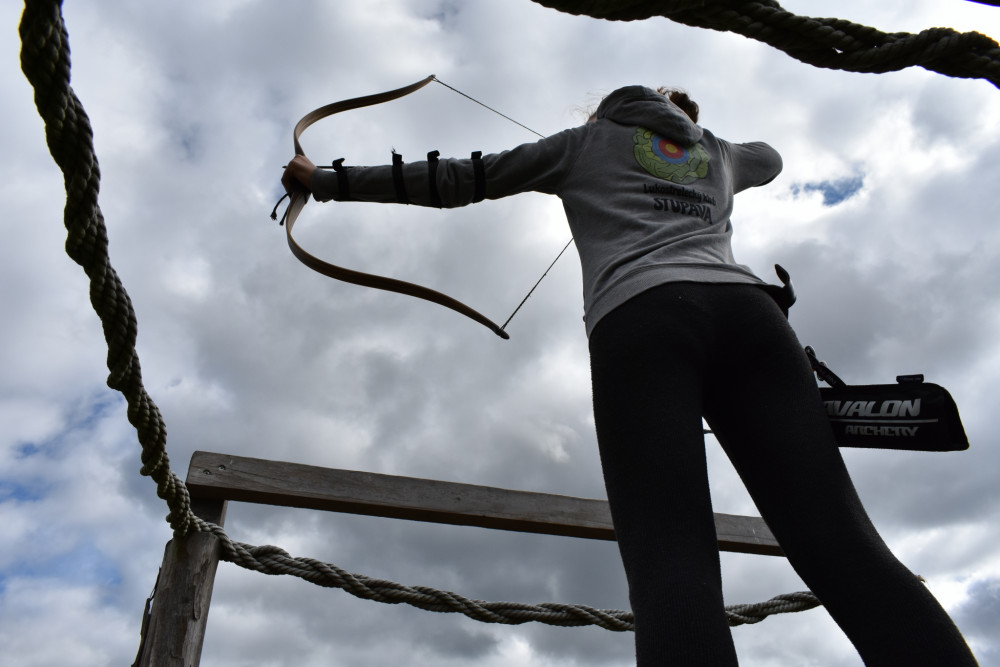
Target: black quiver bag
<point x="911" y="414"/>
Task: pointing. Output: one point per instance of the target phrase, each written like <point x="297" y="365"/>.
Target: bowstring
<point x="536" y="284"/>
<point x="568" y="243"/>
<point x="486" y="106"/>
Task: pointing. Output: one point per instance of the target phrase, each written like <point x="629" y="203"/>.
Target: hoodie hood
<point x="644" y="107"/>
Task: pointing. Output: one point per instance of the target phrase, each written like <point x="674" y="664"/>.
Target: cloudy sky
<point x="886" y="215"/>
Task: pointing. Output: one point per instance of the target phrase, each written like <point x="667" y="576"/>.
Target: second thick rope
<point x="829" y="43"/>
<point x="273" y="560"/>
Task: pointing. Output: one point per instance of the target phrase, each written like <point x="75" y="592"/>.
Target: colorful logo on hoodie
<point x="668" y="160"/>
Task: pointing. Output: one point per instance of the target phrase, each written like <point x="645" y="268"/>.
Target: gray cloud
<point x="247" y="352"/>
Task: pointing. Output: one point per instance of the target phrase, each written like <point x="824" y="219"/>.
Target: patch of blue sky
<point x="94" y="408"/>
<point x="20" y="491"/>
<point x="78" y="425"/>
<point x="24" y="484"/>
<point x="84" y="565"/>
<point x="26" y="449"/>
<point x="834" y="192"/>
<point x="20" y="484"/>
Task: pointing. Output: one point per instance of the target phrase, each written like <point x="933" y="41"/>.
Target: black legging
<point x="659" y="363"/>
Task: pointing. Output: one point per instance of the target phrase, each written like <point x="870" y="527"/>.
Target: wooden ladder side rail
<point x="174" y="633"/>
<point x="227" y="477"/>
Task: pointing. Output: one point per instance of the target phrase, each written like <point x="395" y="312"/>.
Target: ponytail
<point x="681" y="99"/>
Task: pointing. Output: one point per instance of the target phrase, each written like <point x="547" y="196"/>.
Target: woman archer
<point x="678" y="331"/>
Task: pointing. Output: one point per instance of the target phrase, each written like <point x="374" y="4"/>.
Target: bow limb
<point x="372" y="280"/>
<point x="298" y="201"/>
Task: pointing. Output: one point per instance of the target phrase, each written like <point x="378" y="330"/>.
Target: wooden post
<point x="176" y="629"/>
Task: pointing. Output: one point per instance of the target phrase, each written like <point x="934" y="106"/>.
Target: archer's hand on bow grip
<point x="298" y="175"/>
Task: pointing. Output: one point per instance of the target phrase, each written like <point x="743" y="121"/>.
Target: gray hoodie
<point x="648" y="194"/>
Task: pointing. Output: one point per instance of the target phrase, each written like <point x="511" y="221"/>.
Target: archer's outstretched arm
<point x="449" y="182"/>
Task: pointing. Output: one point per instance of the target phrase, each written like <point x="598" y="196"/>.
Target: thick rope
<point x="829" y="43"/>
<point x="46" y="63"/>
